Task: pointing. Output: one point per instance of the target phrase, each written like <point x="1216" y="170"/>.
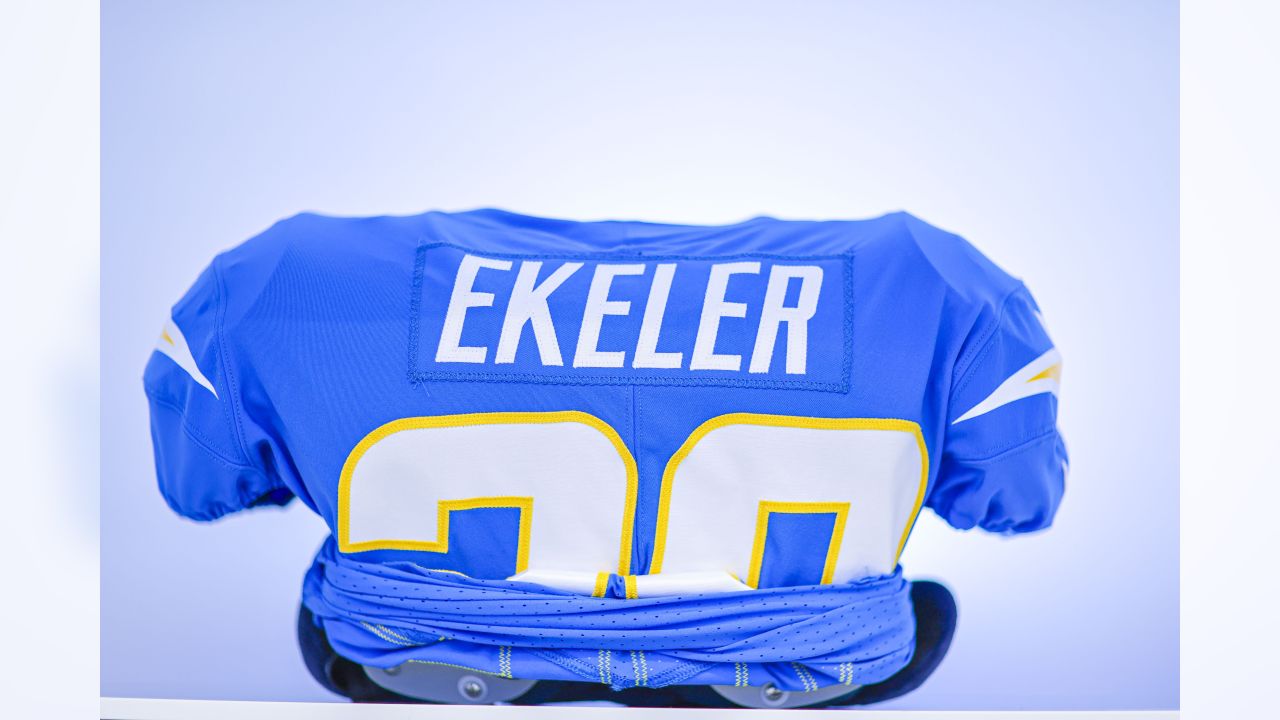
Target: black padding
<point x="936" y="615"/>
<point x="336" y="673"/>
<point x="549" y="691"/>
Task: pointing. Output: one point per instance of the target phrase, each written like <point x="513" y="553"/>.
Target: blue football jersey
<point x="577" y="450"/>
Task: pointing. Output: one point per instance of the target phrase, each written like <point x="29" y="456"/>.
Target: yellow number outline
<point x="769" y="507"/>
<point x="444" y="507"/>
<point x="795" y="421"/>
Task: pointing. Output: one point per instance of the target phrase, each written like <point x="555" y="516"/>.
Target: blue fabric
<point x="383" y="614"/>
<point x="786" y="560"/>
<point x="321" y="329"/>
<point x="985" y="461"/>
<point x="437" y="265"/>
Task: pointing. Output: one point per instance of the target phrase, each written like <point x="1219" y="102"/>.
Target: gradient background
<point x="1045" y="132"/>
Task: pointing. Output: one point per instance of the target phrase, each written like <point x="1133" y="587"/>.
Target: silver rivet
<point x="393" y="670"/>
<point x="772" y="695"/>
<point x="472" y="687"/>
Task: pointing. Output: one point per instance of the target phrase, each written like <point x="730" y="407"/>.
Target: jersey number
<point x="774" y="500"/>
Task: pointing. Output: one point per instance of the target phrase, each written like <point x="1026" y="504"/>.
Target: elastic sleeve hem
<point x="1016" y="490"/>
<point x="252" y="487"/>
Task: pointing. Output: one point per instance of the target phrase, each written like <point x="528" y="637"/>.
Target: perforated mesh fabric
<point x="799" y="638"/>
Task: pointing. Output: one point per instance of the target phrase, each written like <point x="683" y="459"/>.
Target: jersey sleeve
<point x="1003" y="462"/>
<point x="204" y="468"/>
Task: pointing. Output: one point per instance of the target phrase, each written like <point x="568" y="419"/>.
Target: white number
<point x="721" y="488"/>
<point x="574" y="482"/>
<point x="569" y="473"/>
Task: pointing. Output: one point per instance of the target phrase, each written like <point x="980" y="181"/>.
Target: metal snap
<point x="472" y="687"/>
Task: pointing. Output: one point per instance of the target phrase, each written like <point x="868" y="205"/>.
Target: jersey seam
<point x="415" y="301"/>
<point x="203" y="441"/>
<point x="220" y="313"/>
<point x="1001" y="452"/>
<point x="965" y="366"/>
<point x="641" y="515"/>
<point x="967" y="360"/>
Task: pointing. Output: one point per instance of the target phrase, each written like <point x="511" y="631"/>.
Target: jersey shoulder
<point x="311" y="264"/>
<point x="957" y="263"/>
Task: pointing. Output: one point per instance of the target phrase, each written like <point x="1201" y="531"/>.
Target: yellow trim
<point x="460" y="667"/>
<point x="768" y="507"/>
<point x="504" y="661"/>
<point x="451" y="572"/>
<point x="890" y="424"/>
<point x="640" y="669"/>
<point x="164" y="335"/>
<point x="444" y="509"/>
<point x="602" y="584"/>
<point x="805" y="678"/>
<point x="604" y="663"/>
<point x="1053" y="371"/>
<point x="630" y="582"/>
<point x="471" y="419"/>
<point x="389" y="635"/>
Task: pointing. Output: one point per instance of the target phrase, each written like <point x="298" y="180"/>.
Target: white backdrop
<point x="1045" y="133"/>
